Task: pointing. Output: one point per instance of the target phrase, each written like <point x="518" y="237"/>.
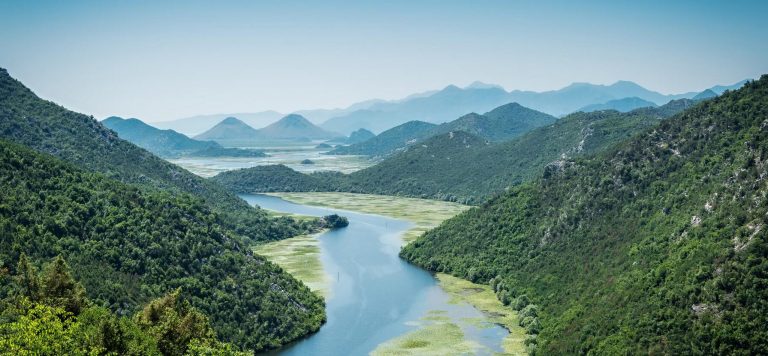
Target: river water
<point x="374" y="295"/>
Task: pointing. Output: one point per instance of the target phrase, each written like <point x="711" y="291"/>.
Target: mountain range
<point x="164" y="143"/>
<point x="293" y="127"/>
<point x="439" y="106"/>
<point x="655" y="246"/>
<point x="502" y="123"/>
<point x="460" y="166"/>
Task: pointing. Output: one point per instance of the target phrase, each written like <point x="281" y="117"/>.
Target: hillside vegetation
<point x="500" y="124"/>
<point x="164" y="143"/>
<point x="128" y="246"/>
<point x="657" y="246"/>
<point x="459" y="166"/>
<point x="83" y="141"/>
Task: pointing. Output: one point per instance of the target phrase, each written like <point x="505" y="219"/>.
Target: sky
<point x="161" y="60"/>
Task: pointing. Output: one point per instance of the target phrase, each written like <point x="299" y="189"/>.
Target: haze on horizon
<point x="160" y="61"/>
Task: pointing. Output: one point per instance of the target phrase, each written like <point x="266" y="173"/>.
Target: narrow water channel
<point x="374" y="295"/>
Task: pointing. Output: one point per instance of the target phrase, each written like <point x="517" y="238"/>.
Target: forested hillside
<point x="128" y="246"/>
<point x="164" y="143"/>
<point x="445" y="169"/>
<point x="77" y="138"/>
<point x="500" y="124"/>
<point x="388" y="141"/>
<point x="657" y="246"/>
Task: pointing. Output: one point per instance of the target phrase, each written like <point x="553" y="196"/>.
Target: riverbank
<point x="437" y="334"/>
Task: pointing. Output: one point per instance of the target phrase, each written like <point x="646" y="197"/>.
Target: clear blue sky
<point x="160" y="60"/>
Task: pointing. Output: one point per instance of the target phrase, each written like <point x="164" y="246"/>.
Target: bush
<point x="335" y="221"/>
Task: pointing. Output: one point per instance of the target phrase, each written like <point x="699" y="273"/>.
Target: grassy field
<point x="425" y="214"/>
<point x="299" y="256"/>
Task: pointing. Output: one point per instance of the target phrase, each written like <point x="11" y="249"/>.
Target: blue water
<point x="374" y="295"/>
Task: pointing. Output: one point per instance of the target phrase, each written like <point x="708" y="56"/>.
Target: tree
<point x="60" y="289"/>
<point x="174" y="324"/>
<point x="26" y="279"/>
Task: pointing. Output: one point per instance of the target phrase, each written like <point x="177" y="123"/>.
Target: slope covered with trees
<point x="79" y="139"/>
<point x="500" y="124"/>
<point x="445" y="169"/>
<point x="388" y="141"/>
<point x="164" y="143"/>
<point x="657" y="246"/>
<point x="128" y="246"/>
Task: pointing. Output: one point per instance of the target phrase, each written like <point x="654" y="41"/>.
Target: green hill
<point x="439" y="168"/>
<point x="164" y="143"/>
<point x="388" y="141"/>
<point x="79" y="139"/>
<point x="359" y="135"/>
<point x="128" y="246"/>
<point x="500" y="124"/>
<point x="656" y="246"/>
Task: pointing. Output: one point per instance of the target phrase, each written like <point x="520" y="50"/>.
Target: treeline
<point x="128" y="246"/>
<point x="657" y="246"/>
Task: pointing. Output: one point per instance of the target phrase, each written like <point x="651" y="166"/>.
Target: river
<point x="374" y="295"/>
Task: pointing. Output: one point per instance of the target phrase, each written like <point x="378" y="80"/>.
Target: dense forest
<point x="128" y="246"/>
<point x="459" y="166"/>
<point x="79" y="139"/>
<point x="48" y="313"/>
<point x="656" y="246"/>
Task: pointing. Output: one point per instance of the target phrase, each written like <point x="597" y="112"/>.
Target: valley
<point x="435" y="316"/>
<point x="420" y="178"/>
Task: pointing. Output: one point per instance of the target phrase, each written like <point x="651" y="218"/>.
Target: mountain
<point x="444" y="105"/>
<point x="128" y="246"/>
<point x="79" y="139"/>
<point x="473" y="173"/>
<point x="719" y="89"/>
<point x="229" y="129"/>
<point x="388" y="141"/>
<point x="293" y="126"/>
<point x="500" y="124"/>
<point x="452" y="102"/>
<point x="164" y="143"/>
<point x="622" y="105"/>
<point x="657" y="246"/>
<point x="707" y="94"/>
<point x="195" y="125"/>
<point x="360" y="135"/>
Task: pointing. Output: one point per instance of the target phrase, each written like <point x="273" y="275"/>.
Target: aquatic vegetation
<point x="423" y="213"/>
<point x="300" y="257"/>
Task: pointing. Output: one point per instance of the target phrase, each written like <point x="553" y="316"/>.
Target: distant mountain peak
<point x="451" y="87"/>
<point x="481" y="85"/>
<point x="295" y="119"/>
<point x="231" y="120"/>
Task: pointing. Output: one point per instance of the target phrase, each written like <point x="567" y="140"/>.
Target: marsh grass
<point x="483" y="299"/>
<point x="439" y="338"/>
<point x="299" y="256"/>
<point x="425" y="214"/>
